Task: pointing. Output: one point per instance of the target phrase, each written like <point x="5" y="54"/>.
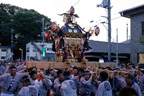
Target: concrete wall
<point x="136" y="32"/>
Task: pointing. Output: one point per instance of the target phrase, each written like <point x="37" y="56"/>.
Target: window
<point x="143" y="28"/>
<point x="3" y="50"/>
<point x="27" y="49"/>
<point x="49" y="49"/>
<point x="3" y="57"/>
<point x="35" y="49"/>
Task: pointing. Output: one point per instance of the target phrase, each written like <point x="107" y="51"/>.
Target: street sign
<point x="43" y="52"/>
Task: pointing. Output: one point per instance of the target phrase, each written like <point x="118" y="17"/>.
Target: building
<point x="99" y="49"/>
<point x="34" y="51"/>
<point x="5" y="53"/>
<point x="136" y="15"/>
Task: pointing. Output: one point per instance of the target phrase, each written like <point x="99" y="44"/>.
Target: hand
<point x="42" y="75"/>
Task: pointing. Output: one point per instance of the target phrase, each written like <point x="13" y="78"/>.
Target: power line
<point x="116" y="18"/>
<point x="76" y="3"/>
<point x="60" y="4"/>
<point x="58" y="19"/>
<point x="73" y="5"/>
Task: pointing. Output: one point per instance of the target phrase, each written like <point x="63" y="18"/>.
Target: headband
<point x="88" y="73"/>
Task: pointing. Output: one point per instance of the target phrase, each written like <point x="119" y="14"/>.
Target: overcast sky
<point x="87" y="11"/>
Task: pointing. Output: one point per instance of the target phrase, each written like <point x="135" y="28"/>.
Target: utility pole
<point x="109" y="31"/>
<point x="43" y="34"/>
<point x="107" y="5"/>
<point x="12" y="43"/>
<point x="127" y="32"/>
<point x="117" y="47"/>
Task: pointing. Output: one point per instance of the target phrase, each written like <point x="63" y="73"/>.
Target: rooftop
<point x="102" y="47"/>
<point x="132" y="11"/>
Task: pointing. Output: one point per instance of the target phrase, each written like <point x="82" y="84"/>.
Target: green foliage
<point x="26" y="24"/>
<point x="4" y="28"/>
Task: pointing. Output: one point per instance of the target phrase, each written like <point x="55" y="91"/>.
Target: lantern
<point x="47" y="35"/>
<point x="97" y="30"/>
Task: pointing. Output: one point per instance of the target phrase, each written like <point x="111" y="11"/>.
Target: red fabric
<point x="79" y="77"/>
<point x="39" y="78"/>
<point x="54" y="26"/>
<point x="47" y="35"/>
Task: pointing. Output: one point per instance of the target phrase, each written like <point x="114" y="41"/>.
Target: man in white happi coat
<point x="104" y="89"/>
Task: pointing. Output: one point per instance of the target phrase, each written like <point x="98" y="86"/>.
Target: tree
<point x="4" y="28"/>
<point x="26" y="24"/>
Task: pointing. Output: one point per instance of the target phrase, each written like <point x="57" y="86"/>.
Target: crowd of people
<point x="17" y="80"/>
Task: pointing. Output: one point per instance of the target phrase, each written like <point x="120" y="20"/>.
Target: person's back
<point x="28" y="91"/>
<point x="68" y="88"/>
<point x="85" y="87"/>
<point x="33" y="90"/>
<point x="104" y="89"/>
<point x="137" y="88"/>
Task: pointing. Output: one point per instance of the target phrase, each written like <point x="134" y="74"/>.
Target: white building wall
<point x="32" y="51"/>
<point x="5" y="55"/>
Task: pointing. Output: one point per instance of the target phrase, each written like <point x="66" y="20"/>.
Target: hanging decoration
<point x="47" y="35"/>
<point x="97" y="30"/>
<point x="72" y="10"/>
<point x="54" y="26"/>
